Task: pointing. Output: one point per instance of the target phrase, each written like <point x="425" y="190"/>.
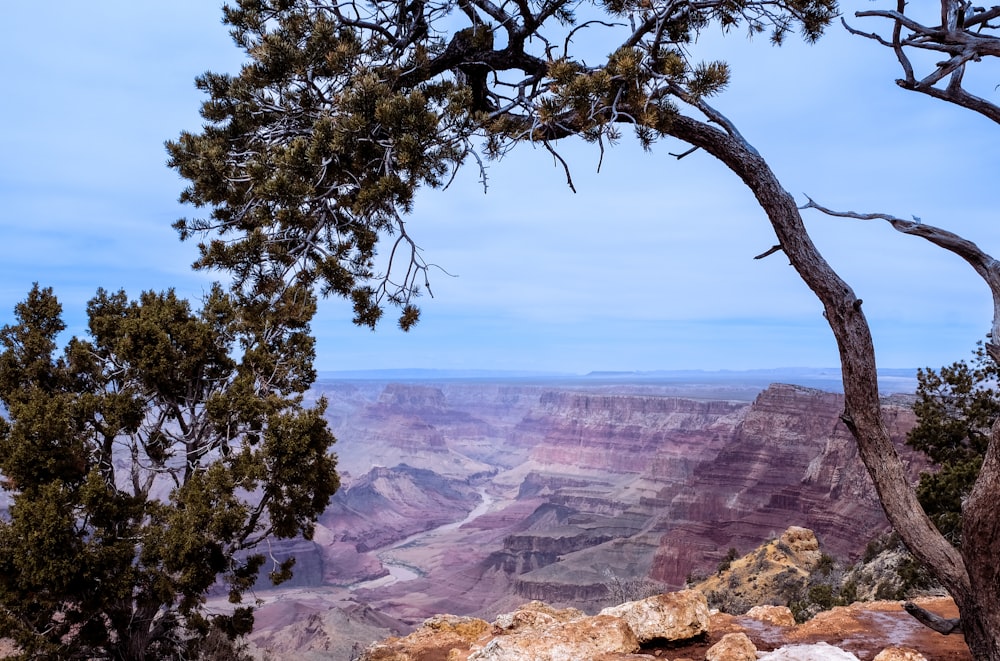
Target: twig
<point x="770" y="251"/>
<point x="683" y="154"/>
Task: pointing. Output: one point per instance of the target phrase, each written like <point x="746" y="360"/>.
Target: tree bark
<point x="972" y="577"/>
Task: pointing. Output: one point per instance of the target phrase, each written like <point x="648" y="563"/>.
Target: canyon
<point x="473" y="496"/>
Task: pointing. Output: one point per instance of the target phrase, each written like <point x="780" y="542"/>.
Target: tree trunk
<point x="980" y="607"/>
<point x="973" y="577"/>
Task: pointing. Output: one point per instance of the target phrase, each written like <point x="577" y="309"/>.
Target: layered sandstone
<point x="791" y="460"/>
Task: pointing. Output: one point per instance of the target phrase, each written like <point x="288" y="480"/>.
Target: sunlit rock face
<point x="473" y="497"/>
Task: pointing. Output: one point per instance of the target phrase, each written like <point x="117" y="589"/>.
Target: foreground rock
<point x="537" y="632"/>
<point x="733" y="647"/>
<point x="899" y="654"/>
<point x="533" y="615"/>
<point x="585" y="638"/>
<point x="667" y="617"/>
<point x="435" y="639"/>
<point x="780" y="616"/>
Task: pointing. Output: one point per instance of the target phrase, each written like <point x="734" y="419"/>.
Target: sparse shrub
<point x="727" y="601"/>
<point x="825" y="565"/>
<point x="760" y="561"/>
<point x="727" y="562"/>
<point x="881" y="543"/>
<point x="621" y="589"/>
<point x="217" y="646"/>
<point x="913" y="576"/>
<point x="788" y="585"/>
<point x="694" y="578"/>
<point x="849" y="592"/>
<point x="888" y="571"/>
<point x="784" y="548"/>
<point x="886" y="590"/>
<point x="822" y="595"/>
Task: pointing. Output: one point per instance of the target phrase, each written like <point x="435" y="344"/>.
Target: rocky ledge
<point x="676" y="626"/>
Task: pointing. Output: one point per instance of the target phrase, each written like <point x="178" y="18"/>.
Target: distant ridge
<point x="891" y="380"/>
<point x="429" y="374"/>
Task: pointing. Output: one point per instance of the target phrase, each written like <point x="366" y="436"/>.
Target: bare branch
<point x="933" y="620"/>
<point x="770" y="251"/>
<point x="557" y="156"/>
<point x="683" y="153"/>
<point x="984" y="264"/>
<point x="964" y="35"/>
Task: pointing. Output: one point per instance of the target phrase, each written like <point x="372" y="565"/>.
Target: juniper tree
<point x="145" y="464"/>
<point x="314" y="150"/>
<point x="956" y="408"/>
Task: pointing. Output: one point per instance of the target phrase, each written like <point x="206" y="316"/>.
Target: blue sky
<point x="648" y="266"/>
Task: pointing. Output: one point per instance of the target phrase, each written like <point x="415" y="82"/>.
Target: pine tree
<point x="956" y="408"/>
<point x="144" y="465"/>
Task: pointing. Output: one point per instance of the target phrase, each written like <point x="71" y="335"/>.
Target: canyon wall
<point x="472" y="497"/>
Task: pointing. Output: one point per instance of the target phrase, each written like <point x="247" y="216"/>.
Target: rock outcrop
<point x="537" y="632"/>
<point x="770" y="574"/>
<point x="732" y="647"/>
<point x="780" y="616"/>
<point x="665" y="617"/>
<point x="588" y="637"/>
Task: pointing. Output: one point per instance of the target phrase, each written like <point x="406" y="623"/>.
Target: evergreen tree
<point x="145" y="463"/>
<point x="956" y="408"/>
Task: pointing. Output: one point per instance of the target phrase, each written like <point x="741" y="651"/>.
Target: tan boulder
<point x="803" y="544"/>
<point x="534" y="614"/>
<point x="732" y="647"/>
<point x="780" y="616"/>
<point x="583" y="638"/>
<point x="439" y="635"/>
<point x="899" y="654"/>
<point x="672" y="616"/>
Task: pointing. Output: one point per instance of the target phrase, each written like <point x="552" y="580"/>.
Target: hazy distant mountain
<point x="426" y="374"/>
<point x="823" y="378"/>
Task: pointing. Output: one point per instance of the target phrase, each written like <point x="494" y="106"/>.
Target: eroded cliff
<point x="489" y="494"/>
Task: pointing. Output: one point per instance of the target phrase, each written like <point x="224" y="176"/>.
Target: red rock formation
<point x="623" y="434"/>
<point x="593" y="482"/>
<point x="791" y="461"/>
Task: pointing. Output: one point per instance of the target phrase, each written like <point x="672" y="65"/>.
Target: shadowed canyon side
<point x="473" y="497"/>
<point x="791" y="461"/>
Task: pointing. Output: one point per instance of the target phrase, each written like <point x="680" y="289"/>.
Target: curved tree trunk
<point x="973" y="581"/>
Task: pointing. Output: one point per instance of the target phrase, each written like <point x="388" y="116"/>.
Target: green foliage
<point x="886" y="571"/>
<point x="145" y="463"/>
<point x="956" y="407"/>
<point x="822" y="590"/>
<point x="727" y="562"/>
<point x="312" y="154"/>
<point x="825" y="566"/>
